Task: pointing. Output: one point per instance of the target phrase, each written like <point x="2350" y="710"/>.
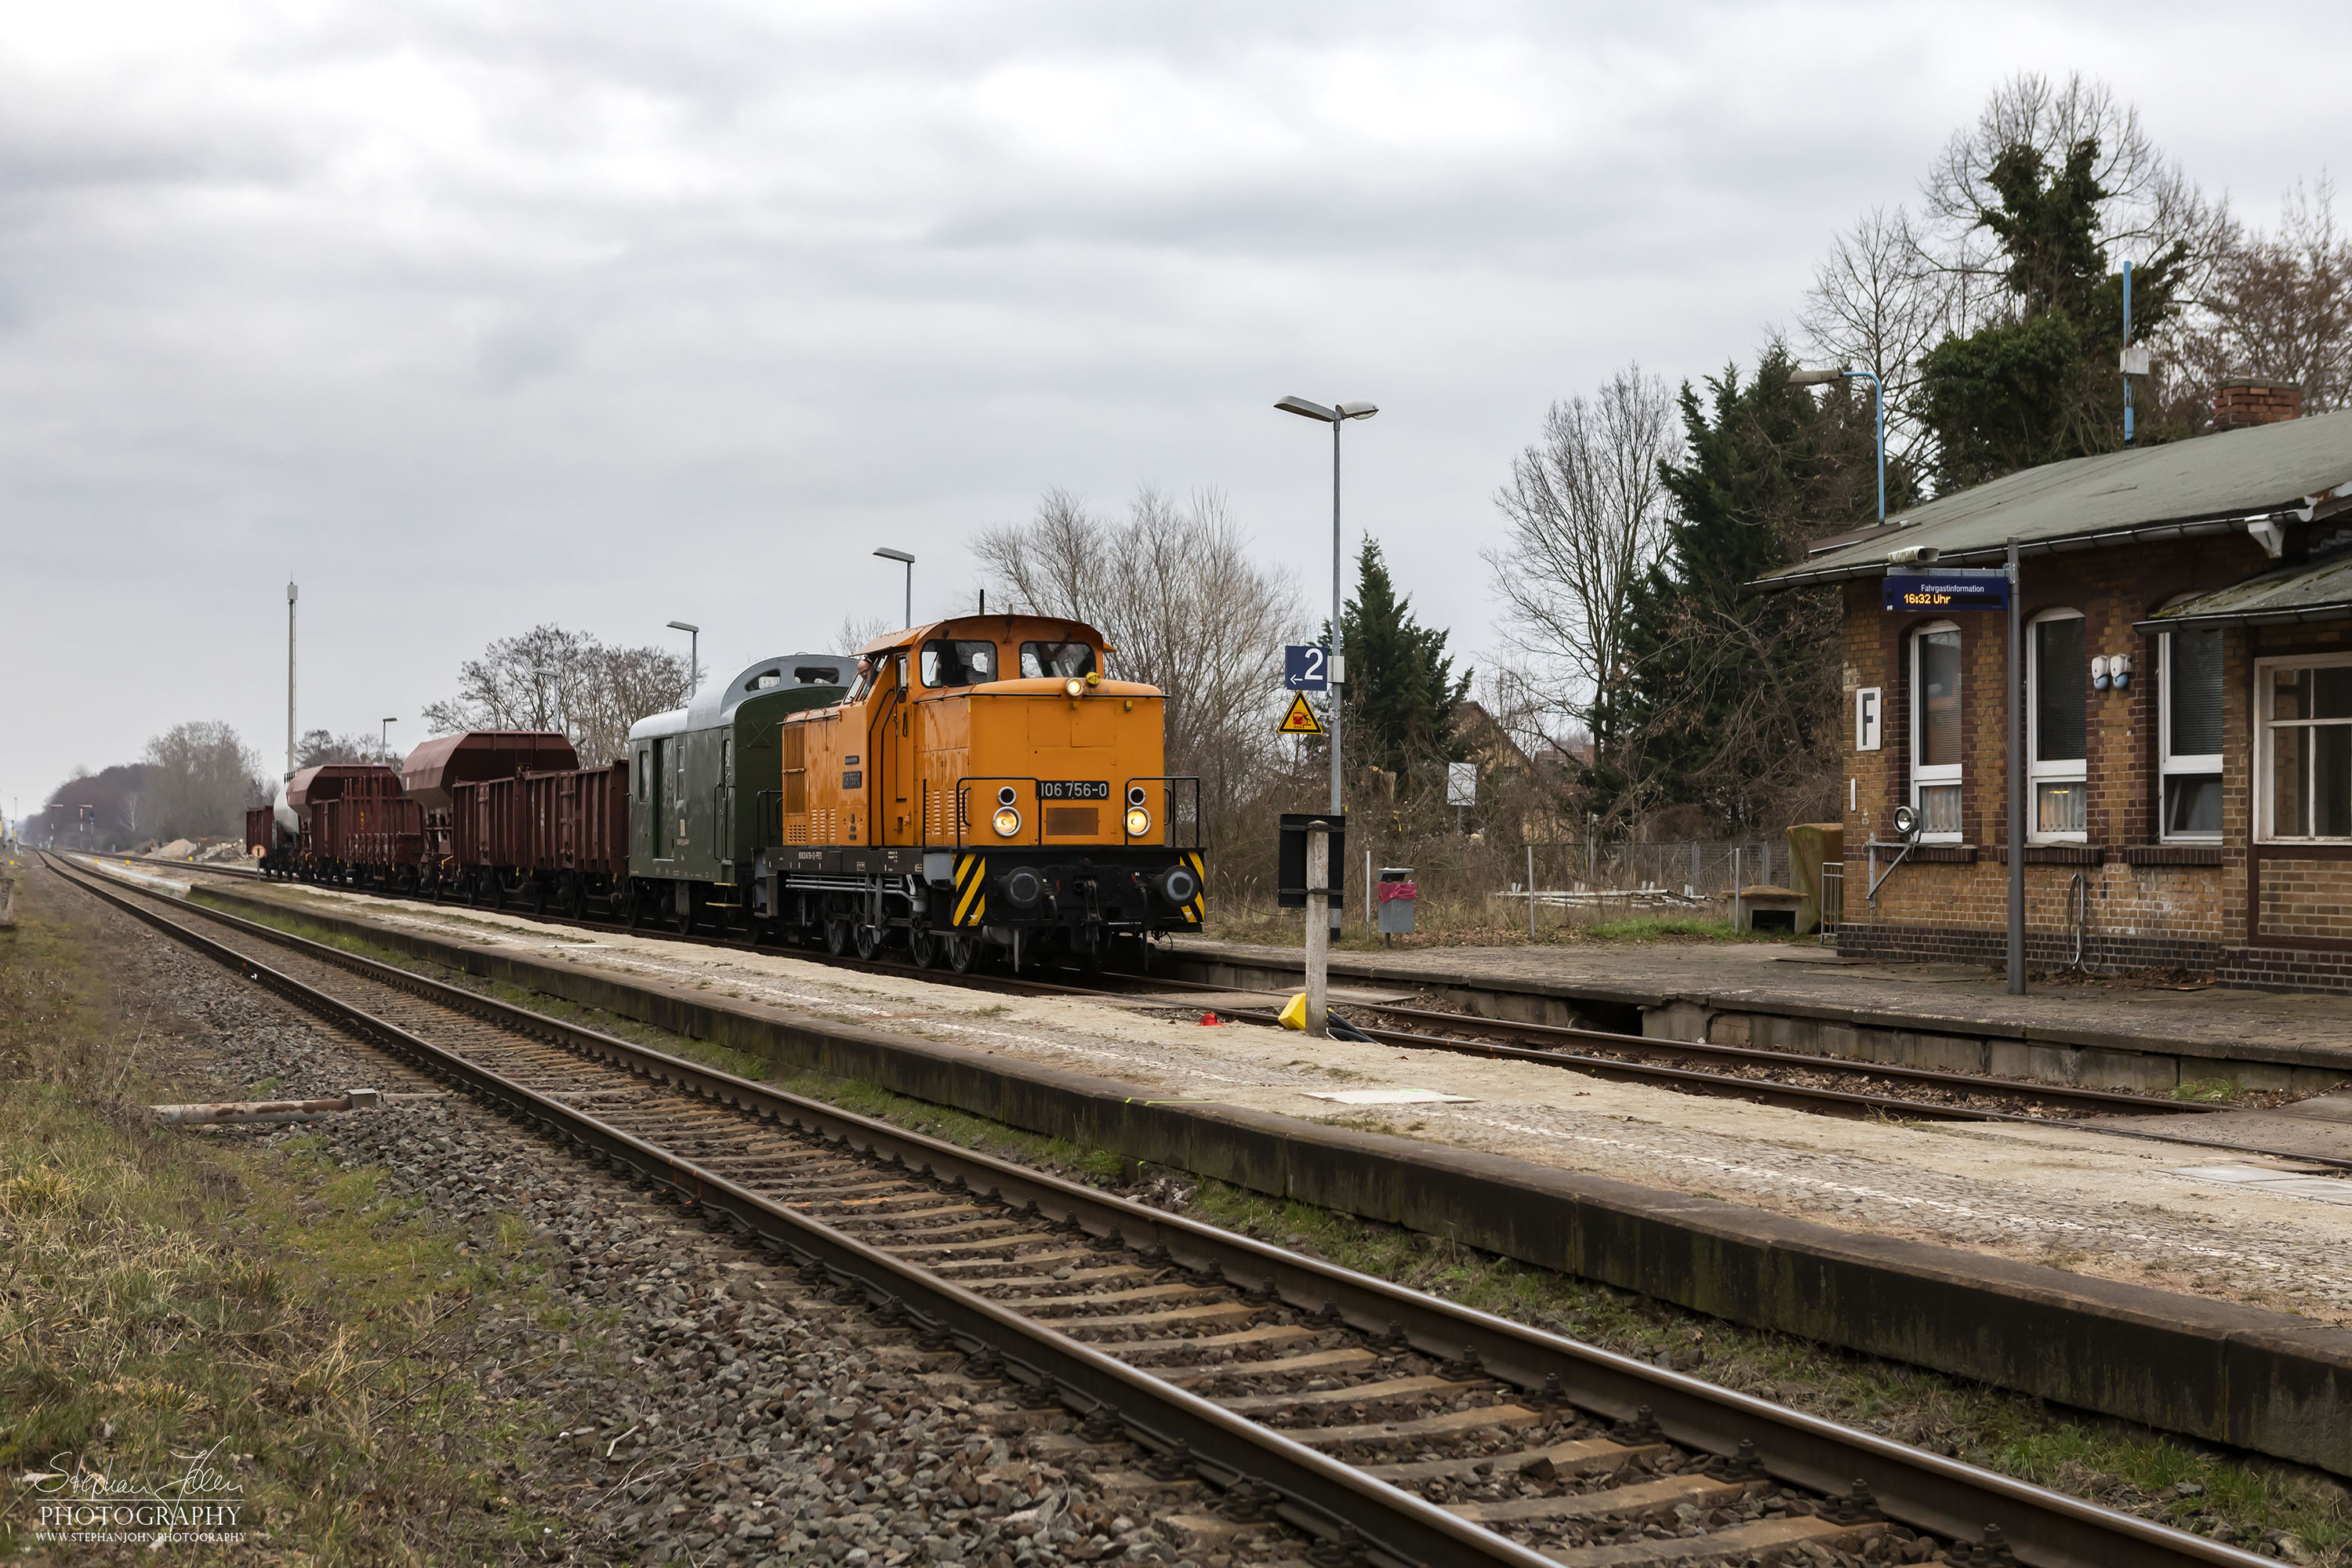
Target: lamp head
<point x="898" y="555"/>
<point x="1358" y="410"/>
<point x="1306" y="410"/>
<point x="1815" y="378"/>
<point x="683" y="626"/>
<point x="1907" y="822"/>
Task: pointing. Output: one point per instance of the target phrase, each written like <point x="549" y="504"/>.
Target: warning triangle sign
<point x="1300" y="720"/>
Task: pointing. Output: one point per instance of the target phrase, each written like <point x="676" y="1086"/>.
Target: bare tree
<point x="1588" y="513"/>
<point x="317" y="746"/>
<point x="198" y="781"/>
<point x="551" y="679"/>
<point x="2279" y="307"/>
<point x="2150" y="205"/>
<point x="1176" y="595"/>
<point x="1879" y="302"/>
<point x="855" y="631"/>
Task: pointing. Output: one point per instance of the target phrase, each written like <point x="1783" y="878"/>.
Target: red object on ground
<point x="1211" y="1021"/>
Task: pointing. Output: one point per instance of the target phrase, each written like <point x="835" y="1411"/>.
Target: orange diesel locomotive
<point x="985" y="789"/>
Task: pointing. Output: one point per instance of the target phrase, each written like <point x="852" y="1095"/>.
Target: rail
<point x="1943" y="1496"/>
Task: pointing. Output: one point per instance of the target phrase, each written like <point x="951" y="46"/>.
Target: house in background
<point x="2187" y="692"/>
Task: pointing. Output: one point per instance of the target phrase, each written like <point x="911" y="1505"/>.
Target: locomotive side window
<point x="864" y="683"/>
<point x="951" y="661"/>
<point x="644" y="773"/>
<point x="1059" y="660"/>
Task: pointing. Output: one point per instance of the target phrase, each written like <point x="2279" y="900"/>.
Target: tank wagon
<point x="974" y="788"/>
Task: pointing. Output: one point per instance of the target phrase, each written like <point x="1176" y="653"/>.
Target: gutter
<point x="2339" y="611"/>
<point x="2143" y="534"/>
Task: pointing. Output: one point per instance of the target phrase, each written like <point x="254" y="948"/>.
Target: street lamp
<point x="384" y="743"/>
<point x="1825" y="378"/>
<point x="902" y="555"/>
<point x="693" y="654"/>
<point x="1334" y="417"/>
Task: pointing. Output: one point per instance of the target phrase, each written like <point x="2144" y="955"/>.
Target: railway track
<point x="1260" y="1401"/>
<point x="1758" y="1076"/>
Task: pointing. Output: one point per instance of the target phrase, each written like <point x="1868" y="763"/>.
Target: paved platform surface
<point x="2166" y="1215"/>
<point x="1806" y="979"/>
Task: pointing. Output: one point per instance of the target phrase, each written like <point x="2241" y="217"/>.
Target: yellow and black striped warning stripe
<point x="1197" y="910"/>
<point x="971" y="878"/>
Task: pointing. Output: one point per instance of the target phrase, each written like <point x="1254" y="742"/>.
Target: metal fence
<point x="1832" y="900"/>
<point x="1694" y="869"/>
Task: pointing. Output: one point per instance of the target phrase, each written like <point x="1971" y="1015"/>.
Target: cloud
<point x="473" y="316"/>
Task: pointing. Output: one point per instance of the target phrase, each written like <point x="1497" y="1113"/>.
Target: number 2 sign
<point x="1305" y="668"/>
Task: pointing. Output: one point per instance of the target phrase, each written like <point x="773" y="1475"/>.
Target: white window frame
<point x="2167" y="765"/>
<point x="1940" y="773"/>
<point x="2038" y="773"/>
<point x="2264" y="796"/>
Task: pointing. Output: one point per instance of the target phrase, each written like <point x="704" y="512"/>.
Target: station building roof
<point x="2295" y="469"/>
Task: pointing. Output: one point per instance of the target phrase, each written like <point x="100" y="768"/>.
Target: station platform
<point x="1798" y="996"/>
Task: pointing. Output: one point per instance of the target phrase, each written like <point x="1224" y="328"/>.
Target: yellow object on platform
<point x="1295" y="1015"/>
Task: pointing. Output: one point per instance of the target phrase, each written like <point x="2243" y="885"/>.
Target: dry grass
<point x="166" y="1293"/>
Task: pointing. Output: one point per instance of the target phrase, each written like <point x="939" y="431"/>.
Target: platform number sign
<point x="1868" y="714"/>
<point x="1305" y="668"/>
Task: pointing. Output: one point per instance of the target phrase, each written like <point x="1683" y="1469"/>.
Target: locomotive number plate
<point x="1073" y="789"/>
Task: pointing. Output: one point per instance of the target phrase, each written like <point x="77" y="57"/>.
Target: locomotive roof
<point x="987" y="626"/>
<point x="715" y="704"/>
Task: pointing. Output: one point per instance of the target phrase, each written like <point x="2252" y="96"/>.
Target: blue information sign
<point x="1305" y="668"/>
<point x="1953" y="588"/>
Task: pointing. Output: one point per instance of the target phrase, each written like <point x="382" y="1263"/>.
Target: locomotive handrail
<point x="1168" y="827"/>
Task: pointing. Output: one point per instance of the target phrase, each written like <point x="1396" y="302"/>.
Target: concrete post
<point x="1318" y="926"/>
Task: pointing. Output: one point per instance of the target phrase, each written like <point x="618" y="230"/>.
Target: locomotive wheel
<point x="923" y="948"/>
<point x="836" y="937"/>
<point x="965" y="953"/>
<point x="870" y="941"/>
<point x="632" y="908"/>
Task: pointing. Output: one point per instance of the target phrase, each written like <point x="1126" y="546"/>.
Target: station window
<point x="953" y="661"/>
<point x="2058" y="683"/>
<point x="1060" y="660"/>
<point x="2305" y="755"/>
<point x="1936" y="731"/>
<point x="2190" y="750"/>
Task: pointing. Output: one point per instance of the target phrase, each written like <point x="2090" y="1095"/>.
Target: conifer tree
<point x="1400" y="688"/>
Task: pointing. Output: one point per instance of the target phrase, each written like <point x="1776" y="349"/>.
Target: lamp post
<point x="291" y="595"/>
<point x="1878" y="397"/>
<point x="384" y="743"/>
<point x="901" y="555"/>
<point x="1335" y="416"/>
<point x="693" y="654"/>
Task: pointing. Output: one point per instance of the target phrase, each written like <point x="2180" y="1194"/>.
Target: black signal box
<point x="1291" y="859"/>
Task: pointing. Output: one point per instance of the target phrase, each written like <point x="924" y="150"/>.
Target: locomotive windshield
<point x="951" y="661"/>
<point x="1059" y="660"/>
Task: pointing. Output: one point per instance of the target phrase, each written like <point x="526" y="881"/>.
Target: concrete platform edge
<point x="1358" y="968"/>
<point x="2257" y="1379"/>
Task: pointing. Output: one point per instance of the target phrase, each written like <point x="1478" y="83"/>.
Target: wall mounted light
<point x="2119" y="671"/>
<point x="2099" y="673"/>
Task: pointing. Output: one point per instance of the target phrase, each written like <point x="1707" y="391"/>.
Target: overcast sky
<point x="469" y="316"/>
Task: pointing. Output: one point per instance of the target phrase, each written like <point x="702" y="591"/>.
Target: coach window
<point x="645" y="772"/>
<point x="2191" y="741"/>
<point x="1936" y="731"/>
<point x="2304" y="756"/>
<point x="2058" y="685"/>
<point x="953" y="661"/>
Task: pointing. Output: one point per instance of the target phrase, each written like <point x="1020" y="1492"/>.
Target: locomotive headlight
<point x="1074" y="687"/>
<point x="1139" y="822"/>
<point x="1008" y="822"/>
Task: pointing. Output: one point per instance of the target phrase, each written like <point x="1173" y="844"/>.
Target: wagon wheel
<point x="538" y="895"/>
<point x="497" y="888"/>
<point x="575" y="896"/>
<point x="438" y="890"/>
<point x="966" y="953"/>
<point x="632" y="907"/>
<point x="870" y="941"/>
<point x="923" y="947"/>
<point x="682" y="917"/>
<point x="836" y="937"/>
<point x="469" y="890"/>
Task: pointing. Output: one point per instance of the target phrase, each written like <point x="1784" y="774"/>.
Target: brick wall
<point x="2136" y="915"/>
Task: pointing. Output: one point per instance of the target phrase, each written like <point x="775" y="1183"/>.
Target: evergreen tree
<point x="1401" y="687"/>
<point x="2043" y="384"/>
<point x="1731" y="704"/>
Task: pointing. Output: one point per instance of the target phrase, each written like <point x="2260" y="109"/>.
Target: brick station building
<point x="2188" y="704"/>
